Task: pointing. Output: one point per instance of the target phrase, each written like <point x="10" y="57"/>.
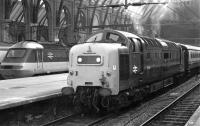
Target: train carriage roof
<point x="190" y="47"/>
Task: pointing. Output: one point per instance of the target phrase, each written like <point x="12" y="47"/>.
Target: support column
<point x="52" y="19"/>
<point x="2" y="15"/>
<point x="27" y="18"/>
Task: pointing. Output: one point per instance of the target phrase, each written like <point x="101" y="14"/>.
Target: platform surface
<point x="194" y="119"/>
<point x="16" y="92"/>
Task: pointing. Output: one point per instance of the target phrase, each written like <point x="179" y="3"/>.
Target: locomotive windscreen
<point x="16" y="53"/>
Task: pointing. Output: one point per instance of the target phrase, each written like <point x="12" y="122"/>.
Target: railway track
<point x="60" y="120"/>
<point x="78" y="119"/>
<point x="179" y="111"/>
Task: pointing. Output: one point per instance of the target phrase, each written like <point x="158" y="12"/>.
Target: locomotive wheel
<point x="123" y="100"/>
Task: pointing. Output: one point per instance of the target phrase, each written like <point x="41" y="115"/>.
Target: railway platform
<point x="16" y="92"/>
<point x="194" y="119"/>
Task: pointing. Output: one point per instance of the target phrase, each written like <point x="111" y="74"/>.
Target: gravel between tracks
<point x="140" y="114"/>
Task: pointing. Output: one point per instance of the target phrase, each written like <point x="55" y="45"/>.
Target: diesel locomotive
<point x="111" y="67"/>
<point x="28" y="58"/>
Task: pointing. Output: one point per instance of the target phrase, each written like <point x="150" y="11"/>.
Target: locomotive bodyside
<point x="118" y="65"/>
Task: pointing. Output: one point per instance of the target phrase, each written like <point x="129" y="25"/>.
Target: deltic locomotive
<point x="111" y="67"/>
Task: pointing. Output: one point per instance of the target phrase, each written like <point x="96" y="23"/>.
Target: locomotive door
<point x="39" y="60"/>
<point x="135" y="50"/>
<point x="165" y="63"/>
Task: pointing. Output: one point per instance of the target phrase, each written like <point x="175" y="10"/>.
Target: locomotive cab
<point x="92" y="66"/>
<point x="104" y="62"/>
<point x="95" y="64"/>
<point x="120" y="66"/>
<point x="20" y="60"/>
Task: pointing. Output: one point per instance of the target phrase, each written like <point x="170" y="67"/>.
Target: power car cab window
<point x="16" y="53"/>
<point x="95" y="38"/>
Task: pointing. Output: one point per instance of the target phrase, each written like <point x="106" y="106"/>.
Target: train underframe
<point x="88" y="98"/>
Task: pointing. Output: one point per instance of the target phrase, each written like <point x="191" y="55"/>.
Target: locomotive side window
<point x="95" y="38"/>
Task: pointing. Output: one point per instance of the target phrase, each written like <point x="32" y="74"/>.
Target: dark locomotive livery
<point x="112" y="67"/>
<point x="28" y="58"/>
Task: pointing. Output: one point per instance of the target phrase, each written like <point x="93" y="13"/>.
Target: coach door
<point x="39" y="60"/>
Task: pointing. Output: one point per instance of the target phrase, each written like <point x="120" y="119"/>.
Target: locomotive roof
<point x="121" y="33"/>
<point x="27" y="44"/>
<point x="36" y="45"/>
<point x="190" y="47"/>
<point x="127" y="34"/>
<point x="148" y="42"/>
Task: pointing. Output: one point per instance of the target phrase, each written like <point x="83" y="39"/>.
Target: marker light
<point x="98" y="59"/>
<point x="80" y="60"/>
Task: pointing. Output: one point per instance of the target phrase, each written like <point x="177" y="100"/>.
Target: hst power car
<point x="28" y="58"/>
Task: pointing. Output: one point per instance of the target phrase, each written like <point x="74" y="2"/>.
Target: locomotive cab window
<point x="95" y="38"/>
<point x="114" y="38"/>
